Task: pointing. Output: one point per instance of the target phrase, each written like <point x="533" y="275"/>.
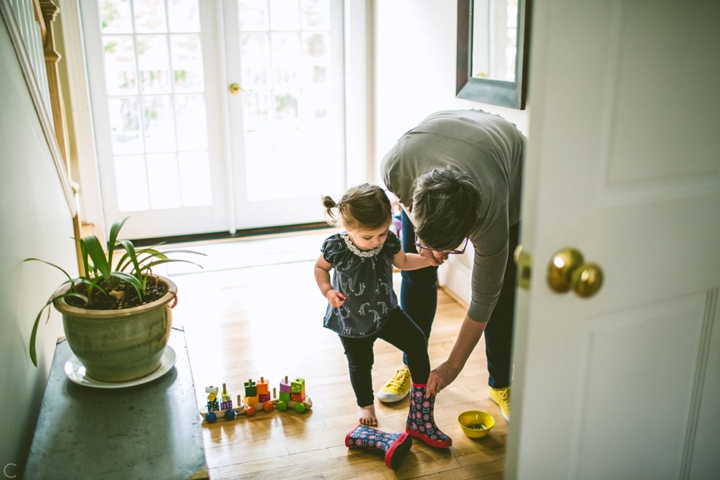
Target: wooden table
<point x="145" y="431"/>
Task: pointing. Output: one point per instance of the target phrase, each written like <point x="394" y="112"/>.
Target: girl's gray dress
<point x="365" y="278"/>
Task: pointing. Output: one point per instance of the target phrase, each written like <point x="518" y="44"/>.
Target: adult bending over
<point x="458" y="176"/>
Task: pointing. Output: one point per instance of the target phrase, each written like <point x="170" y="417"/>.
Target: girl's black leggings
<point x="399" y="331"/>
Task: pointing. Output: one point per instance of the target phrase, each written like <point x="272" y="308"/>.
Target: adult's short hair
<point x="446" y="207"/>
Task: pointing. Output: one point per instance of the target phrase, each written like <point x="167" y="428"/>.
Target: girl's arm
<point x="322" y="277"/>
<point x="410" y="261"/>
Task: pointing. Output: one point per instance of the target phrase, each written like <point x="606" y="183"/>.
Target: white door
<point x="177" y="151"/>
<point x="158" y="128"/>
<point x="624" y="165"/>
<point x="287" y="122"/>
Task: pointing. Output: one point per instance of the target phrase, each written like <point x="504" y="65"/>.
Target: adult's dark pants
<point x="418" y="298"/>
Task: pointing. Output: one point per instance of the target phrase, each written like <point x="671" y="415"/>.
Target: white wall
<point x="415" y="55"/>
<point x="35" y="222"/>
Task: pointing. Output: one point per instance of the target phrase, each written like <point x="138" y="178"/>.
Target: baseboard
<point x="455" y="279"/>
<point x="455" y="297"/>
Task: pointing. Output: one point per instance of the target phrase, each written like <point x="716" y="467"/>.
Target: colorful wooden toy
<point x="257" y="399"/>
<point x="212" y="403"/>
<point x="226" y="403"/>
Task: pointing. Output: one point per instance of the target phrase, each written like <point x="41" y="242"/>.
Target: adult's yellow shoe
<point x="501" y="396"/>
<point x="397" y="388"/>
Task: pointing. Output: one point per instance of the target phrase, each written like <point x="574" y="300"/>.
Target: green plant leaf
<point x="84" y="255"/>
<point x="97" y="254"/>
<point x="112" y="240"/>
<point x="169" y="260"/>
<point x="33" y="335"/>
<point x="92" y="285"/>
<point x="130" y="252"/>
<point x="126" y="277"/>
<point x="51" y="264"/>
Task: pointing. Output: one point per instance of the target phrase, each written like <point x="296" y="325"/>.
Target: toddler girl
<point x="363" y="305"/>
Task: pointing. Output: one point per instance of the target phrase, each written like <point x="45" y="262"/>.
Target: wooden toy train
<point x="257" y="398"/>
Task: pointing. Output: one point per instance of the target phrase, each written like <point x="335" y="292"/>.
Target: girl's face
<point x="368" y="239"/>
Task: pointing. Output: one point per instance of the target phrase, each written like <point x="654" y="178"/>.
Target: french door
<point x="215" y="115"/>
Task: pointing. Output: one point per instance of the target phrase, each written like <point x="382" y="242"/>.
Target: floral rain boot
<point x="395" y="445"/>
<point x="421" y="420"/>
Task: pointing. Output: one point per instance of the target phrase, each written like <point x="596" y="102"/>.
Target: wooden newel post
<point x="49" y="12"/>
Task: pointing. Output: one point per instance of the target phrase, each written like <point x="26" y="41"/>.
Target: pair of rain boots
<point x="420" y="424"/>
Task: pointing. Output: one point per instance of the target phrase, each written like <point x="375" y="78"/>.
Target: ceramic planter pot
<point x="119" y="345"/>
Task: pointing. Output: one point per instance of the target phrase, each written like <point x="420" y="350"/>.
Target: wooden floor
<point x="267" y="321"/>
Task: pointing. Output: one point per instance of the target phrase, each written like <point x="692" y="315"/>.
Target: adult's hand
<point x="441" y="377"/>
<point x="435" y="258"/>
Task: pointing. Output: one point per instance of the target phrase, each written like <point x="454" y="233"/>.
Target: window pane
<point x="253" y="14"/>
<point x="149" y="16"/>
<point x="316" y="58"/>
<point x="191" y="122"/>
<point x="125" y="125"/>
<point x="131" y="183"/>
<point x="187" y="63"/>
<point x="284" y="15"/>
<point x="159" y="125"/>
<point x="183" y="16"/>
<point x="153" y="61"/>
<point x="286" y="105"/>
<point x="314" y="103"/>
<point x="315" y="14"/>
<point x="163" y="180"/>
<point x="255" y="56"/>
<point x="286" y="58"/>
<point x="119" y="57"/>
<point x="195" y="179"/>
<point x="115" y="16"/>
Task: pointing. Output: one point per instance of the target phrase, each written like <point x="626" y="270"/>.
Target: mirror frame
<point x="493" y="92"/>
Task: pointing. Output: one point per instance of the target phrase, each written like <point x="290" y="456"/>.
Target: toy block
<point x="250" y="388"/>
<point x="297" y="397"/>
<point x="213" y="406"/>
<point x="285" y="396"/>
<point x="264" y="397"/>
<point x="263" y="386"/>
<point x="251" y="400"/>
<point x="285" y="385"/>
<point x="226" y="405"/>
<point x="224" y="396"/>
<point x="212" y="392"/>
<point x="298" y="385"/>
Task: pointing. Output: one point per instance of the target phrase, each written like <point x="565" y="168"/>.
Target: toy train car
<point x="257" y="398"/>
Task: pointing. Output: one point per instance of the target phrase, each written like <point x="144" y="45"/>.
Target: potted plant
<point x="117" y="318"/>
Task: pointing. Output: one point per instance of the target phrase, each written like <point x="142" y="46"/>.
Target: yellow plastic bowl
<point x="473" y="418"/>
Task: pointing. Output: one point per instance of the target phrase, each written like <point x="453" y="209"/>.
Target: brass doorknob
<point x="567" y="270"/>
<point x="523" y="260"/>
<point x="235" y="88"/>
